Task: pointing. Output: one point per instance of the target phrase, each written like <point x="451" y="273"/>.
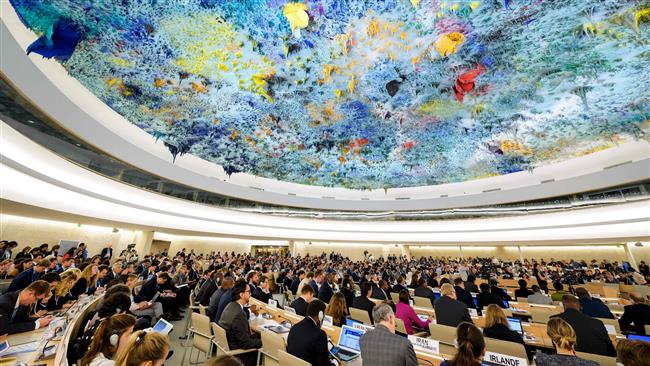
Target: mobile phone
<point x="334" y="350"/>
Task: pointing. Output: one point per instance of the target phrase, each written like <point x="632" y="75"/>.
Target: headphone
<point x="114" y="339"/>
<point x="321" y="317"/>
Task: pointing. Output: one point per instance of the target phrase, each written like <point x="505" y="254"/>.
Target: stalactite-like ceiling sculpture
<point x="362" y="94"/>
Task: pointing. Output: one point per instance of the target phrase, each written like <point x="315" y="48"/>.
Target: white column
<point x="143" y="240"/>
<point x="460" y="248"/>
<point x="521" y="255"/>
<point x="630" y="256"/>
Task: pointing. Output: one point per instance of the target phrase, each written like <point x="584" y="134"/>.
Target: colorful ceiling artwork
<point x="362" y="94"/>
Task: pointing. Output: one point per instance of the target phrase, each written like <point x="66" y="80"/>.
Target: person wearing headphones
<point x="144" y="349"/>
<point x="307" y="341"/>
<point x="111" y="336"/>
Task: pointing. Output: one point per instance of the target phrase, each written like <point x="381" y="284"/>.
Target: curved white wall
<point x="47" y="84"/>
<point x="31" y="175"/>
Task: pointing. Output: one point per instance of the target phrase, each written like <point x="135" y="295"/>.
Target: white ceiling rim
<point x="47" y="84"/>
<point x="63" y="186"/>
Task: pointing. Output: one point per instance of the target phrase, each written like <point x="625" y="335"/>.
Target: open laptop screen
<point x="515" y="324"/>
<point x="349" y="338"/>
<point x="637" y="337"/>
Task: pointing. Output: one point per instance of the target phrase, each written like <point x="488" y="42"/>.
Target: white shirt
<point x="38" y="324"/>
<point x="101" y="360"/>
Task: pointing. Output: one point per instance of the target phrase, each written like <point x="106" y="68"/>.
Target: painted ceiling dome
<point x="362" y="94"/>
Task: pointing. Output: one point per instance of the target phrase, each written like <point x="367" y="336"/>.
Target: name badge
<point x="273" y="304"/>
<point x="492" y="358"/>
<point x="427" y="344"/>
<point x="328" y="320"/>
<point x="363" y="327"/>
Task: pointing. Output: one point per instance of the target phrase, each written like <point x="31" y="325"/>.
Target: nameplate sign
<point x="328" y="320"/>
<point x="492" y="358"/>
<point x="426" y="344"/>
<point x="473" y="312"/>
<point x="363" y="327"/>
<point x="289" y="309"/>
<point x="273" y="303"/>
<point x="610" y="329"/>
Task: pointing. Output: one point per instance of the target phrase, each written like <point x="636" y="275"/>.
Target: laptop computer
<point x="638" y="337"/>
<point x="162" y="327"/>
<point x="348" y="347"/>
<point x="506" y="304"/>
<point x="515" y="324"/>
<point x="350" y="322"/>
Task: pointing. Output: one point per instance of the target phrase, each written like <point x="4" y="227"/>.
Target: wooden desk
<point x="333" y="332"/>
<point x="60" y="359"/>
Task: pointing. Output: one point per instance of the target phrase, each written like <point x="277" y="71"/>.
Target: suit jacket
<point x="639" y="314"/>
<point x="235" y="322"/>
<point x="595" y="308"/>
<point x="225" y="299"/>
<point x="214" y="302"/>
<point x="451" y="312"/>
<point x="591" y="335"/>
<point x="363" y="303"/>
<point x="425" y="292"/>
<point x="147" y="291"/>
<point x="325" y="292"/>
<point x="471" y="287"/>
<point x="377" y="293"/>
<point x="503" y="333"/>
<point x="398" y="288"/>
<point x="465" y="297"/>
<point x="14" y="322"/>
<point x="24" y="279"/>
<point x="294" y="286"/>
<point x="300" y="306"/>
<point x="261" y="295"/>
<point x="308" y="342"/>
<point x="107" y="253"/>
<point x="380" y="347"/>
<point x="208" y="289"/>
<point x="484" y="299"/>
<point x="314" y="285"/>
<point x="349" y="296"/>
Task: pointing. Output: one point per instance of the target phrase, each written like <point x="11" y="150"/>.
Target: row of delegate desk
<point x="46" y="338"/>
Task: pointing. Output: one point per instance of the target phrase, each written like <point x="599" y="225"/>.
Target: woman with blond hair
<point x="61" y="293"/>
<point x="337" y="309"/>
<point x="144" y="349"/>
<point x="88" y="276"/>
<point x="497" y="327"/>
<point x="564" y="340"/>
<point x="111" y="337"/>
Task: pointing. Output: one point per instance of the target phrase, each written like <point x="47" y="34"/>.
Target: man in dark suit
<point x="325" y="291"/>
<point x="400" y="285"/>
<point x="15" y="308"/>
<point x="362" y="302"/>
<point x="381" y="346"/>
<point x="423" y="290"/>
<point x="470" y="284"/>
<point x="300" y="304"/>
<point x="235" y="321"/>
<point x="593" y="307"/>
<point x="296" y="282"/>
<point x="226" y="284"/>
<point x="28" y="276"/>
<point x="114" y="273"/>
<point x="636" y="316"/>
<point x="462" y="295"/>
<point x="486" y="297"/>
<point x="207" y="289"/>
<point x="288" y="279"/>
<point x="306" y="340"/>
<point x="148" y="290"/>
<point x="107" y="252"/>
<point x="317" y="281"/>
<point x="450" y="311"/>
<point x="591" y="335"/>
<point x="380" y="291"/>
<point x="262" y="292"/>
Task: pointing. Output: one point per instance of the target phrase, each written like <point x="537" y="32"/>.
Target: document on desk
<point x="21" y="348"/>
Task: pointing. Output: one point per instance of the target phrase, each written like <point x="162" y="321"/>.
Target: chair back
<point x="616" y="307"/>
<point x="287" y="359"/>
<point x="522" y="299"/>
<point x="395" y="297"/>
<point x="647" y="329"/>
<point x="136" y="289"/>
<point x="220" y="338"/>
<point x="612" y="323"/>
<point x="423" y="302"/>
<point x="506" y="348"/>
<point x="271" y="344"/>
<point x="192" y="295"/>
<point x="202" y="339"/>
<point x="602" y="360"/>
<point x="443" y="333"/>
<point x="202" y="309"/>
<point x="399" y="325"/>
<point x="360" y="315"/>
<point x="540" y="315"/>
